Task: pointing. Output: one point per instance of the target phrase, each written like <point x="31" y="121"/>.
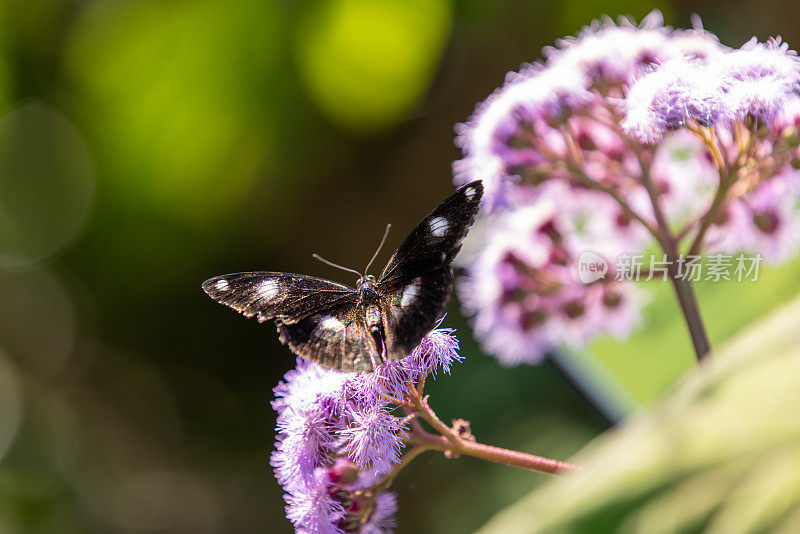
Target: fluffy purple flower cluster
<point x="523" y="285"/>
<point x="338" y="435"/>
<point x="620" y="134"/>
<point x="756" y="81"/>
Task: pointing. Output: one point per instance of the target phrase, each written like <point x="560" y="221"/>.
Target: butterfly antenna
<point x="385" y="234"/>
<point x="326" y="262"/>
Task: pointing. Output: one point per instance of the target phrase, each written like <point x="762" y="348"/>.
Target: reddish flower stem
<point x="491" y="453"/>
<point x="449" y="441"/>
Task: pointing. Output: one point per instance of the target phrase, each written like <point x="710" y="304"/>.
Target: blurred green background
<point x="146" y="146"/>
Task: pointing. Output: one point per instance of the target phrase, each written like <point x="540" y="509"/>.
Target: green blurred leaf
<point x="367" y="63"/>
<point x="177" y="97"/>
<point x="721" y="454"/>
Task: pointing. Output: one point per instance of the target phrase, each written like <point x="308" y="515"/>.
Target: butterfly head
<point x="367" y="282"/>
<point x="367" y="287"/>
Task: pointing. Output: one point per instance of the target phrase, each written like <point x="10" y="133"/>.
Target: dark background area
<point x="146" y="146"/>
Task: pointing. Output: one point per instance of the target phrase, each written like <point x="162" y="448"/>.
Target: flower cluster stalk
<point x="452" y="442"/>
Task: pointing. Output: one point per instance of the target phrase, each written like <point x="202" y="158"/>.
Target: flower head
<point x="696" y="44"/>
<point x="679" y="92"/>
<point x="523" y="290"/>
<point x="612" y="53"/>
<point x="513" y="138"/>
<point x="374" y="438"/>
<point x="775" y="218"/>
<point x="382" y="519"/>
<point x="312" y="509"/>
<point x="759" y="78"/>
<point x="309" y="406"/>
<point x="337" y="435"/>
<point x="493" y="138"/>
<point x="438" y="350"/>
<point x="659" y="132"/>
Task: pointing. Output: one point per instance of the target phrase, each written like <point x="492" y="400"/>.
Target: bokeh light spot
<point x="367" y="63"/>
<point x="177" y="97"/>
<point x="37" y="320"/>
<point x="46" y="184"/>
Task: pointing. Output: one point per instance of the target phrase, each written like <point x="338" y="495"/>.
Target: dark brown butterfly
<point x="380" y="320"/>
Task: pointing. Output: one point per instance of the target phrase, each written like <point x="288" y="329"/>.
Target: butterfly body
<point x="380" y="320"/>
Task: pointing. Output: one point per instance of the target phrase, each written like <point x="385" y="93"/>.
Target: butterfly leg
<point x="372" y="317"/>
<point x="378" y="354"/>
<point x="375" y="363"/>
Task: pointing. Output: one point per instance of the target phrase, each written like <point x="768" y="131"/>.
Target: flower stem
<point x="582" y="179"/>
<point x="427" y="413"/>
<point x="710" y="216"/>
<point x="727" y="177"/>
<point x="684" y="290"/>
<point x="691" y="313"/>
<point x="449" y="441"/>
<point x="491" y="453"/>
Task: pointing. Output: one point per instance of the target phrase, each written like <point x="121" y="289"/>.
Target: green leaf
<point x="720" y="454"/>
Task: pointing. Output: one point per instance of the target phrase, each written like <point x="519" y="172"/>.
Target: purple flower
<point x="309" y="405"/>
<point x="515" y="136"/>
<point x="512" y="266"/>
<point x="312" y="509"/>
<point x="374" y="438"/>
<point x="619" y="307"/>
<point x="529" y="99"/>
<point x="439" y="349"/>
<point x="565" y="174"/>
<point x="696" y="44"/>
<point x="678" y="92"/>
<point x="759" y="78"/>
<point x="765" y="222"/>
<point x="612" y="54"/>
<point x="608" y="308"/>
<point x="381" y="520"/>
<point x="389" y="380"/>
<point x="774" y="217"/>
<point x="730" y="232"/>
<point x="609" y="53"/>
<point x="337" y="435"/>
<point x="788" y="116"/>
<point x="523" y="289"/>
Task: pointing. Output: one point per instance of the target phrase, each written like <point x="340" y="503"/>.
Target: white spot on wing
<point x="222" y="285"/>
<point x="409" y="295"/>
<point x="438" y="226"/>
<point x="470" y="193"/>
<point x="328" y="327"/>
<point x="331" y="323"/>
<point x="268" y="289"/>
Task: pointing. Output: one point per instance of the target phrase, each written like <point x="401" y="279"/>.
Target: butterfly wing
<point x="416" y="284"/>
<point x="317" y="318"/>
<point x="323" y="321"/>
<point x="335" y="338"/>
<point x="268" y="295"/>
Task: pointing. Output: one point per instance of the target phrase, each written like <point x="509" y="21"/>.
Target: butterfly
<point x="382" y="319"/>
